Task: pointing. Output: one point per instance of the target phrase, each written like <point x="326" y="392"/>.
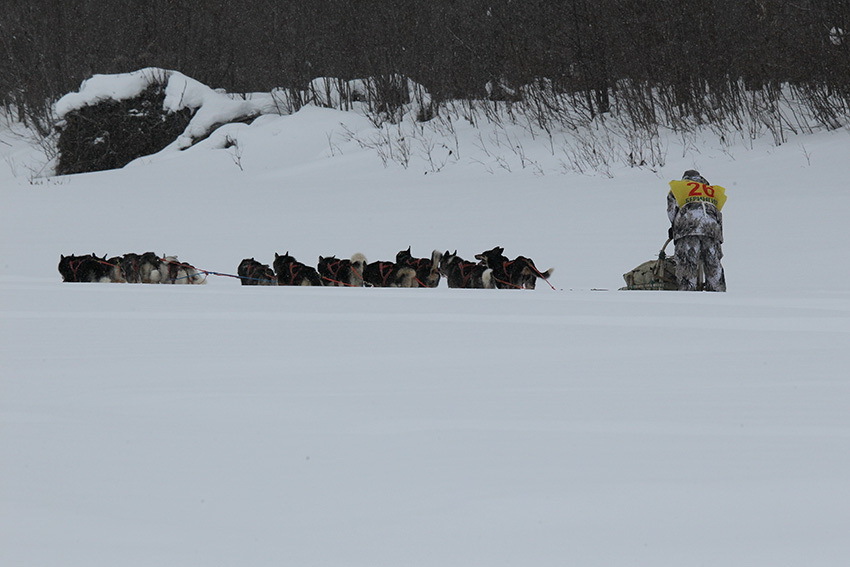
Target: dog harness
<point x="385" y="270"/>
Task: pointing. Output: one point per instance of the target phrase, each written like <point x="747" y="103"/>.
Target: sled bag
<point x="657" y="274"/>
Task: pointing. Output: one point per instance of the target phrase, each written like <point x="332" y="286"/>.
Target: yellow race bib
<point x="687" y="191"/>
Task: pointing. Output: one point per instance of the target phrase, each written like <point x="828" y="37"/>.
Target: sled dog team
<point x="493" y="270"/>
<point x="129" y="268"/>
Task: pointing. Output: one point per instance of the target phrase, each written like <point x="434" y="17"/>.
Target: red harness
<point x="385" y="269"/>
<point x="74" y="266"/>
<point x="294" y="270"/>
<point x="466" y="270"/>
<point x="334" y="267"/>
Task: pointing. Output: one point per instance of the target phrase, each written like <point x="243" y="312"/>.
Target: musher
<point x="693" y="207"/>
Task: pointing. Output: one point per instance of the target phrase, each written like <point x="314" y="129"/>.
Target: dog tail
<point x="358" y="259"/>
<point x="487" y="279"/>
<point x="407" y="277"/>
<point x="529" y="264"/>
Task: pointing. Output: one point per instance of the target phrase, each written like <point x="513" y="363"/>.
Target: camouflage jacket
<point x="694" y="219"/>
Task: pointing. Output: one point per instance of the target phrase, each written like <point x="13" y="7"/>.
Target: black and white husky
<point x="88" y="268"/>
<point x="252" y="272"/>
<point x="389" y="274"/>
<point x="462" y="274"/>
<point x="290" y="271"/>
<point x="427" y="269"/>
<point x="173" y="271"/>
<point x="141" y="268"/>
<point x="341" y="272"/>
<point x="519" y="273"/>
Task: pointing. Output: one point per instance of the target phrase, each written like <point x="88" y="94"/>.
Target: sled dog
<point x="389" y="274"/>
<point x="140" y="268"/>
<point x="252" y="272"/>
<point x="290" y="271"/>
<point x="427" y="269"/>
<point x="341" y="272"/>
<point x="87" y="268"/>
<point x="462" y="274"/>
<point x="519" y="273"/>
<point x="174" y="271"/>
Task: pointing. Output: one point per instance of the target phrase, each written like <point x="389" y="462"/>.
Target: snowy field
<point x="223" y="425"/>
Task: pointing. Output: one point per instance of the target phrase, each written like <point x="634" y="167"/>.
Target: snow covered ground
<point x="328" y="427"/>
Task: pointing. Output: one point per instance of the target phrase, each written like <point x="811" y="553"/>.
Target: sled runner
<point x="659" y="274"/>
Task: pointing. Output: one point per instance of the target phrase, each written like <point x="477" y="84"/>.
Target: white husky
<point x="173" y="271"/>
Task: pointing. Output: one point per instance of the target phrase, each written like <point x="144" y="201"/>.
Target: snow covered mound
<point x="112" y="132"/>
<point x="114" y="119"/>
<point x="210" y="108"/>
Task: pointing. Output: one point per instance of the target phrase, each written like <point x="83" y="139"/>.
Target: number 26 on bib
<point x="687" y="191"/>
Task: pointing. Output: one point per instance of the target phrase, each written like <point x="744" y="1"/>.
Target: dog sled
<point x="658" y="274"/>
